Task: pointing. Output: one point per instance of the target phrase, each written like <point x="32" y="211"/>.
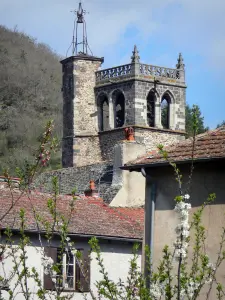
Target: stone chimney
<point x="92" y="191"/>
<point x="132" y="184"/>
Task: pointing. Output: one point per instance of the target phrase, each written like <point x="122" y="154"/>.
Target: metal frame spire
<point x="79" y="19"/>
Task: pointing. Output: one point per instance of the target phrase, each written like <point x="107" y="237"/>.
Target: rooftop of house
<point x="90" y="216"/>
<point x="207" y="146"/>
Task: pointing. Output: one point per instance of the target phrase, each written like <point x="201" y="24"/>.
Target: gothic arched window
<point x="165" y="111"/>
<point x="104" y="113"/>
<point x="151" y="109"/>
<point x="119" y="109"/>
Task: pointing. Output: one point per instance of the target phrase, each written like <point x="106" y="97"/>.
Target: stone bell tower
<point x="98" y="104"/>
<point x="79" y="113"/>
<point x="151" y="99"/>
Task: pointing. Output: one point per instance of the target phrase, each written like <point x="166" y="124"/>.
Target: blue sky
<point x="160" y="28"/>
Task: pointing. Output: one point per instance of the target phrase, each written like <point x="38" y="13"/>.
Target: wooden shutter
<point x="50" y="252"/>
<point x="84" y="272"/>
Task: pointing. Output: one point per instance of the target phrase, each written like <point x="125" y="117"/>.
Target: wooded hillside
<point x="30" y="94"/>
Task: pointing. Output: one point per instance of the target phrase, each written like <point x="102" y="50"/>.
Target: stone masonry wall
<point x="74" y="178"/>
<point x="85" y="109"/>
<point x="87" y="150"/>
<point x="177" y="107"/>
<point x="108" y="140"/>
<point x="79" y="107"/>
<point x="152" y="138"/>
<point x="136" y="93"/>
<point x="82" y="143"/>
<point x="128" y="89"/>
<point x="102" y="149"/>
<point x="78" y="178"/>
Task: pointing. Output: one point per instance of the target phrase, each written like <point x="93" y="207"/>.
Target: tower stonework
<point x="79" y="110"/>
<point x="110" y="116"/>
<point x="100" y="104"/>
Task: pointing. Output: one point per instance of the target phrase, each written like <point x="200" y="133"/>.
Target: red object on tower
<point x="129" y="134"/>
<point x="92" y="191"/>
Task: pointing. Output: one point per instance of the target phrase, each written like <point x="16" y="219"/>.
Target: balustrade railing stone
<point x="139" y="69"/>
<point x="159" y="71"/>
<point x="113" y="72"/>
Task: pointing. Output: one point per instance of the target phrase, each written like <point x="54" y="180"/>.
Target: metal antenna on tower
<point x="80" y="12"/>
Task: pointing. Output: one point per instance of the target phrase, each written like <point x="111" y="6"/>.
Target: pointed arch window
<point x="104" y="113"/>
<point x="151" y="109"/>
<point x="119" y="109"/>
<point x="165" y="111"/>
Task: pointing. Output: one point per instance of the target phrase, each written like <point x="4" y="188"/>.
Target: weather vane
<point x="79" y="13"/>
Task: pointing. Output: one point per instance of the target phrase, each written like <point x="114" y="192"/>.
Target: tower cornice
<point x="82" y="57"/>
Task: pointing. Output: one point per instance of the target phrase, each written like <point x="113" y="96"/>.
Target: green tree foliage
<point x="30" y="83"/>
<point x="189" y="120"/>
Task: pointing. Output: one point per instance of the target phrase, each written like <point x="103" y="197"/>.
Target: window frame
<point x="64" y="271"/>
<point x="84" y="283"/>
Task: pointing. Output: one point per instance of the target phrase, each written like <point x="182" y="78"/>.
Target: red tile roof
<point x="208" y="145"/>
<point x="91" y="216"/>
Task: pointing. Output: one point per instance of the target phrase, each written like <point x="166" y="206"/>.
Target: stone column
<point x="158" y="114"/>
<point x="111" y="112"/>
<point x="172" y="116"/>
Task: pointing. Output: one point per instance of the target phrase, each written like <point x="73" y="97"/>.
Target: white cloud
<point x="189" y="25"/>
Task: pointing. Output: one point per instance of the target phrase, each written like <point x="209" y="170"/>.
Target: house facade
<point x="161" y="188"/>
<point x="117" y="230"/>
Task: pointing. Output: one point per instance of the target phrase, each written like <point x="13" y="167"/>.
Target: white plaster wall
<point x="207" y="178"/>
<point x="116" y="261"/>
<point x="132" y="191"/>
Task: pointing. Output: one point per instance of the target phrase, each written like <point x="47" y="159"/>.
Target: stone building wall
<point x="108" y="140"/>
<point x="85" y="117"/>
<point x="100" y="148"/>
<point x="136" y="92"/>
<point x="79" y="106"/>
<point x="77" y="178"/>
<point x="128" y="89"/>
<point x="87" y="150"/>
<point x="82" y="143"/>
<point x="152" y="138"/>
<point x="177" y="107"/>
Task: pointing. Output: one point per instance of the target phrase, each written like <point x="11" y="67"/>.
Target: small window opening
<point x="165" y="108"/>
<point x="151" y="109"/>
<point x="119" y="110"/>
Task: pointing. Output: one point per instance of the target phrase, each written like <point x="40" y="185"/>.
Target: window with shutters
<point x="72" y="275"/>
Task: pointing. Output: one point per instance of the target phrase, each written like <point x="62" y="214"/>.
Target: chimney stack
<point x="92" y="191"/>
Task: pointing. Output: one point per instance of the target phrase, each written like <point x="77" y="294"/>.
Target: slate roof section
<point x="209" y="145"/>
<point x="91" y="216"/>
